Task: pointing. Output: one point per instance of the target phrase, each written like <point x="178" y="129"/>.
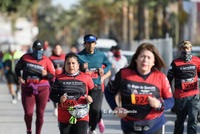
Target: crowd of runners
<point x="137" y="92"/>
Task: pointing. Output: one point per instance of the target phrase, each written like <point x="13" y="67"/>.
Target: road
<point x="12" y="122"/>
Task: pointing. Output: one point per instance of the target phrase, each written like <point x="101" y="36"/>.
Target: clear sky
<point x="65" y="3"/>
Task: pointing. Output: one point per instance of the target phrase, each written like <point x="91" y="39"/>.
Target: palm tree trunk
<point x="125" y="24"/>
<point x="141" y="20"/>
<point x="131" y="28"/>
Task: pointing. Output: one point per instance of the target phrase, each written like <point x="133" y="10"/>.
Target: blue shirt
<point x="95" y="60"/>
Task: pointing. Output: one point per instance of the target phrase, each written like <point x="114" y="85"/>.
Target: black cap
<point x="118" y="47"/>
<point x="38" y="44"/>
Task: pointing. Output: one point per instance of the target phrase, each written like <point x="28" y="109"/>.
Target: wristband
<point x="161" y="107"/>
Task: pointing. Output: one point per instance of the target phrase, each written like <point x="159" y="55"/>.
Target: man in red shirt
<point x="185" y="70"/>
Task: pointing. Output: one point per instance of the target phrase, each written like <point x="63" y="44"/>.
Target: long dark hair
<point x="159" y="63"/>
<point x="70" y="55"/>
<point x="54" y="48"/>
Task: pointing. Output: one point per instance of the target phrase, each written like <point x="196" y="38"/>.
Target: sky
<point x="65" y="3"/>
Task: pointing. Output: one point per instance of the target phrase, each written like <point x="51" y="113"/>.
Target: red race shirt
<point x="77" y="86"/>
<point x="134" y="91"/>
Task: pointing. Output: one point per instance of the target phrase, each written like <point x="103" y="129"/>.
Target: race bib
<point x="188" y="84"/>
<point x="32" y="79"/>
<point x="140" y="99"/>
<point x="71" y="101"/>
<point x="92" y="72"/>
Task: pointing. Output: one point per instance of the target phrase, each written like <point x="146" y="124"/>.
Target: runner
<point x="71" y="89"/>
<point x="10" y="59"/>
<point x="185" y="70"/>
<point x="145" y="93"/>
<point x="91" y="61"/>
<point x="37" y="70"/>
<point x="58" y="60"/>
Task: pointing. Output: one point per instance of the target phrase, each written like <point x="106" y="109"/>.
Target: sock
<point x="13" y="96"/>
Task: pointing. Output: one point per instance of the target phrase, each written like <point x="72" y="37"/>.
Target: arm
<point x="171" y="72"/>
<point x="107" y="64"/>
<point x="110" y="98"/>
<point x="92" y="91"/>
<point x="19" y="67"/>
<point x="105" y="76"/>
<point x="112" y="89"/>
<point x="168" y="103"/>
<point x="54" y="94"/>
<point x="168" y="100"/>
<point x="50" y="70"/>
<point x="198" y="69"/>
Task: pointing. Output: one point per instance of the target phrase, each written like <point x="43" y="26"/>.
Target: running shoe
<point x="56" y="112"/>
<point x="92" y="132"/>
<point x="29" y="132"/>
<point x="14" y="101"/>
<point x="18" y="95"/>
<point x="101" y="126"/>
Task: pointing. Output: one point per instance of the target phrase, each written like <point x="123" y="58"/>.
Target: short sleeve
<point x="166" y="88"/>
<point x="90" y="83"/>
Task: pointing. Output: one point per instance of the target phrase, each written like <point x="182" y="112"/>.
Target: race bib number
<point x="71" y="101"/>
<point x="187" y="84"/>
<point x="92" y="72"/>
<point x="141" y="99"/>
<point x="33" y="79"/>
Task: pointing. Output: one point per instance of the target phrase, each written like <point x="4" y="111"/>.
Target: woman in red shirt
<point x="73" y="90"/>
<point x="58" y="60"/>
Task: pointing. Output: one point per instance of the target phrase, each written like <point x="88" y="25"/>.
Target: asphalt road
<point x="12" y="122"/>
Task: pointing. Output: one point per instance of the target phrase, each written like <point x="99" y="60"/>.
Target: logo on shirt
<point x="73" y="83"/>
<point x="35" y="66"/>
<point x="188" y="68"/>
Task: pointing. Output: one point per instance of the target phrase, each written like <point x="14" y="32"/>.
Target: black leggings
<point x="128" y="131"/>
<point x="79" y="128"/>
<point x="95" y="110"/>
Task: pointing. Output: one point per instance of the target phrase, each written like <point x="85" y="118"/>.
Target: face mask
<point x="186" y="56"/>
<point x="117" y="55"/>
<point x="37" y="54"/>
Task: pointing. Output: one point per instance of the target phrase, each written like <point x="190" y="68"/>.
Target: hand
<point x="44" y="72"/>
<point x="113" y="65"/>
<point x="102" y="80"/>
<point x="58" y="65"/>
<point x="120" y="112"/>
<point x="85" y="66"/>
<point x="88" y="99"/>
<point x="63" y="98"/>
<point x="153" y="102"/>
<point x="20" y="80"/>
<point x="101" y="71"/>
<point x="7" y="68"/>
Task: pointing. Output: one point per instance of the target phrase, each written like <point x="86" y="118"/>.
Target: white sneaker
<point x="14" y="101"/>
<point x="92" y="132"/>
<point x="18" y="95"/>
<point x="56" y="112"/>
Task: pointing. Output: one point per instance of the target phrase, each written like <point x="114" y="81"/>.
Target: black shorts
<point x="11" y="78"/>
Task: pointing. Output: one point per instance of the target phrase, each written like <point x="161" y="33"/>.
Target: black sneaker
<point x="29" y="132"/>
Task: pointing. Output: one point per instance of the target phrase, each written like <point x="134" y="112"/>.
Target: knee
<point x="28" y="115"/>
<point x="93" y="112"/>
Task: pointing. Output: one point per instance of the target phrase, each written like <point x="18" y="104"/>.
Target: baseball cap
<point x="11" y="48"/>
<point x="185" y="43"/>
<point x="90" y="38"/>
<point x="118" y="47"/>
<point x="38" y="44"/>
